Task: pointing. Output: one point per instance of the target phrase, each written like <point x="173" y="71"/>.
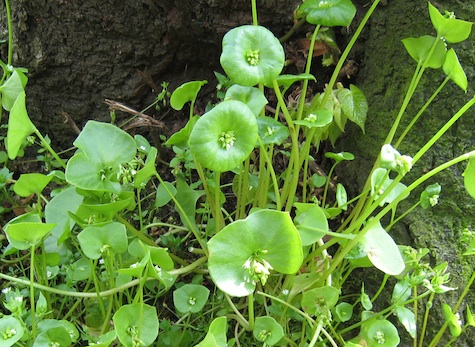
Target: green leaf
<point x="104" y="148"/>
<point x="216" y="336"/>
<point x="271" y="131"/>
<point x="190" y="298"/>
<point x="341" y="196"/>
<point x="407" y="318"/>
<point x="452" y="321"/>
<point x="94" y="241"/>
<point x="180" y="138"/>
<point x="56" y="212"/>
<point x="11" y="331"/>
<point x="454" y="70"/>
<point x="186" y="92"/>
<point x="163" y="192"/>
<point x="339" y="157"/>
<point x="319" y="119"/>
<point x="12" y="88"/>
<point x="144" y="174"/>
<point x="469" y="176"/>
<point x="250" y="96"/>
<point x="380" y="182"/>
<point x="318" y="301"/>
<point x="311" y="223"/>
<point x="380" y="333"/>
<point x="245" y="251"/>
<point x="19" y="126"/>
<point x="448" y="27"/>
<point x="430" y="195"/>
<point x="287" y="80"/>
<point x="32" y="183"/>
<point x="470" y="319"/>
<point x="354" y="105"/>
<point x="136" y="322"/>
<point x="47" y="324"/>
<point x="328" y="13"/>
<point x="267" y="330"/>
<point x="419" y="49"/>
<point x="80" y="270"/>
<point x="104" y="340"/>
<point x="24" y="235"/>
<point x="344" y="311"/>
<point x="225" y="136"/>
<point x="382" y="250"/>
<point x="252" y="55"/>
<point x="57" y="336"/>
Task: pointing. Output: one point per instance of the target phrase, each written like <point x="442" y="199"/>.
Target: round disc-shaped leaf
<point x="380" y="333"/>
<point x="318" y="119"/>
<point x="344" y="311"/>
<point x="136" y="322"/>
<point x="311" y="223"/>
<point x="190" y="298"/>
<point x="252" y="55"/>
<point x="94" y="241"/>
<point x="266" y="329"/>
<point x="224" y="137"/>
<point x="271" y="131"/>
<point x="11" y="331"/>
<point x="267" y="235"/>
<point x="329" y="13"/>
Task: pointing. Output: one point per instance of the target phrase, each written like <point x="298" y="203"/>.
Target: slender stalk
<point x="254" y="12"/>
<point x="250" y="306"/>
<point x="426" y="318"/>
<point x="51" y="150"/>
<point x="32" y="292"/>
<point x="10" y="32"/>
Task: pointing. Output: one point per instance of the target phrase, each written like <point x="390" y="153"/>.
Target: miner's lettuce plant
<point x="258" y="247"/>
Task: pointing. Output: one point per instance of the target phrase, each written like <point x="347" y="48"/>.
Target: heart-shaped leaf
<point x="245" y="251"/>
<point x="448" y="27"/>
<point x="32" y="183"/>
<point x="12" y="88"/>
<point x="27" y="230"/>
<point x="252" y="55"/>
<point x="225" y="136"/>
<point x="419" y="49"/>
<point x="329" y="13"/>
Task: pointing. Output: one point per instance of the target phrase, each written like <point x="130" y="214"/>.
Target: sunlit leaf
<point x="448" y="27"/>
<point x="454" y="70"/>
<point x="469" y="176"/>
<point x="31" y="183"/>
<point x="250" y="96"/>
<point x="408" y="319"/>
<point x="186" y="92"/>
<point x="419" y="49"/>
<point x="354" y="105"/>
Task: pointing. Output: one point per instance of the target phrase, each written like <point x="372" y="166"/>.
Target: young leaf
<point x="328" y="13"/>
<point x="430" y="195"/>
<point x="448" y="27"/>
<point x="354" y="105"/>
<point x="246" y="250"/>
<point x="341" y="196"/>
<point x="12" y="88"/>
<point x="216" y="336"/>
<point x="134" y="323"/>
<point x="186" y="92"/>
<point x="451" y="320"/>
<point x="190" y="298"/>
<point x="224" y="137"/>
<point x="419" y="48"/>
<point x="380" y="182"/>
<point x="250" y="96"/>
<point x="454" y="70"/>
<point x="252" y="55"/>
<point x="318" y="119"/>
<point x="381" y="333"/>
<point x="339" y="157"/>
<point x="469" y="176"/>
<point x="267" y="330"/>
<point x="382" y="250"/>
<point x="19" y="126"/>
<point x="318" y="301"/>
<point x="27" y="234"/>
<point x="344" y="311"/>
<point x="287" y="80"/>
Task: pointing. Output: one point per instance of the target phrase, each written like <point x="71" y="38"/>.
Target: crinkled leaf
<point x="252" y="55"/>
<point x="271" y="131"/>
<point x="230" y="118"/>
<point x="454" y="70"/>
<point x="250" y="96"/>
<point x="419" y="48"/>
<point x="328" y="12"/>
<point x="186" y="92"/>
<point x="451" y="29"/>
<point x="382" y="250"/>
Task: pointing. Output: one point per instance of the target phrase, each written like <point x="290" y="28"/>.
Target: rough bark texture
<point x="82" y="52"/>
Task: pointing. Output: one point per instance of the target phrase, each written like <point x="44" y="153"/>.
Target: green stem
<point x="270" y="168"/>
<point x="327" y="183"/>
<point x="254" y="12"/>
<point x="426" y="318"/>
<point x="141" y="236"/>
<point x="50" y="150"/>
<point x="241" y="318"/>
<point x="250" y="306"/>
<point x="10" y="32"/>
<point x="32" y="292"/>
<point x="315" y="336"/>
